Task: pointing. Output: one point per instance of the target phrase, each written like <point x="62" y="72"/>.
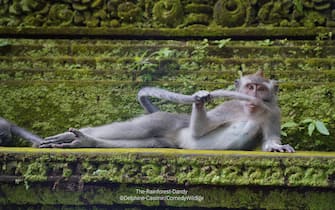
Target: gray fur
<point x="240" y="124"/>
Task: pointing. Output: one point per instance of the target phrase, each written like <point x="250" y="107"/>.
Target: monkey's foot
<point x="73" y="138"/>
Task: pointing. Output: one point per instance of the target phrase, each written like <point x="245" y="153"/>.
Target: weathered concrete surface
<point x="139" y="178"/>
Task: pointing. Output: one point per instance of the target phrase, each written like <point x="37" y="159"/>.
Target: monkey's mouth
<point x="251" y="106"/>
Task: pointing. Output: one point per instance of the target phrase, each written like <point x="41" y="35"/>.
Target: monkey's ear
<point x="275" y="85"/>
<point x="259" y="73"/>
<point x="237" y="84"/>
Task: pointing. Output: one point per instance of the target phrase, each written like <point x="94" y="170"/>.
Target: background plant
<point x="311" y="125"/>
<point x="147" y="64"/>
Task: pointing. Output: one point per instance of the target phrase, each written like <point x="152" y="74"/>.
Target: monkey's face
<point x="258" y="87"/>
<point x="257" y="90"/>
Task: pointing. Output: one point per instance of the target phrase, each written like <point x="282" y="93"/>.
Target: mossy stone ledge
<point x="191" y="32"/>
<point x="114" y="177"/>
<point x="80" y="63"/>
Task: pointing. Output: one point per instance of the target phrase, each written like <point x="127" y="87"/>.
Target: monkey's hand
<point x="201" y="97"/>
<point x="71" y="139"/>
<point x="275" y="147"/>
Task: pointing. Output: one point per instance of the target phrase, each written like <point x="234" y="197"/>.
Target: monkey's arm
<point x="199" y="122"/>
<point x="271" y="135"/>
<point x="203" y="122"/>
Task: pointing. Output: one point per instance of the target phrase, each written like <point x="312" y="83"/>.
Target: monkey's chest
<point x="234" y="136"/>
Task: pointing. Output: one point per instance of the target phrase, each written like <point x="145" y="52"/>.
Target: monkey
<point x="8" y="130"/>
<point x="249" y="120"/>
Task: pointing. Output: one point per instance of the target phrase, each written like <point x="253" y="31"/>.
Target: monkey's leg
<point x="154" y="142"/>
<point x="66" y="137"/>
<point x="123" y="143"/>
<point x="145" y="131"/>
<point x="76" y="138"/>
<point x="157" y="124"/>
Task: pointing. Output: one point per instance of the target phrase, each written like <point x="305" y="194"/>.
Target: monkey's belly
<point x="239" y="135"/>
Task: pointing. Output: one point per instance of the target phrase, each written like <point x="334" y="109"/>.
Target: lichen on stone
<point x="129" y="12"/>
<point x="231" y="13"/>
<point x="168" y="12"/>
<point x="60" y="15"/>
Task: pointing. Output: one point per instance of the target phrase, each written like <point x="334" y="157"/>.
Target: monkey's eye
<point x="250" y="87"/>
<point x="261" y="88"/>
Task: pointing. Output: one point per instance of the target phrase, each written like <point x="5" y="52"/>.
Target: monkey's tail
<point x="23" y="133"/>
<point x="144" y="94"/>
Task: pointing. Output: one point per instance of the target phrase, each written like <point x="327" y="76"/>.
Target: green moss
<point x="313" y="18"/>
<point x="192" y="32"/>
<point x="199" y="168"/>
<point x="96" y="3"/>
<point x="168" y="12"/>
<point x="129" y="12"/>
<point x="31" y="5"/>
<point x="36" y="172"/>
<point x="231" y="13"/>
<point x="80" y="7"/>
<point x="194" y="18"/>
<point x="198" y="8"/>
<point x="156" y="14"/>
<point x="60" y="14"/>
<point x="15" y="8"/>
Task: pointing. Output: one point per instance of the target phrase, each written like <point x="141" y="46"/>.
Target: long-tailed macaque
<point x="251" y="119"/>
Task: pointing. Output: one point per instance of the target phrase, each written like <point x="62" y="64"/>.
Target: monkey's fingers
<point x="288" y="148"/>
<point x="202" y="96"/>
<point x="72" y="144"/>
<point x="282" y="148"/>
<point x="57" y="139"/>
<point x="76" y="132"/>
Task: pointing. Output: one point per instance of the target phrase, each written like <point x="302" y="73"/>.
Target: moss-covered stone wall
<point x="121" y="178"/>
<point x="167" y="13"/>
<point x="165" y="18"/>
<point x="48" y="85"/>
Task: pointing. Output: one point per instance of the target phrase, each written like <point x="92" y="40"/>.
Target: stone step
<point x="120" y="48"/>
<point x="193" y="32"/>
<point x="128" y="63"/>
<point x="49" y="85"/>
<point x="205" y="76"/>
